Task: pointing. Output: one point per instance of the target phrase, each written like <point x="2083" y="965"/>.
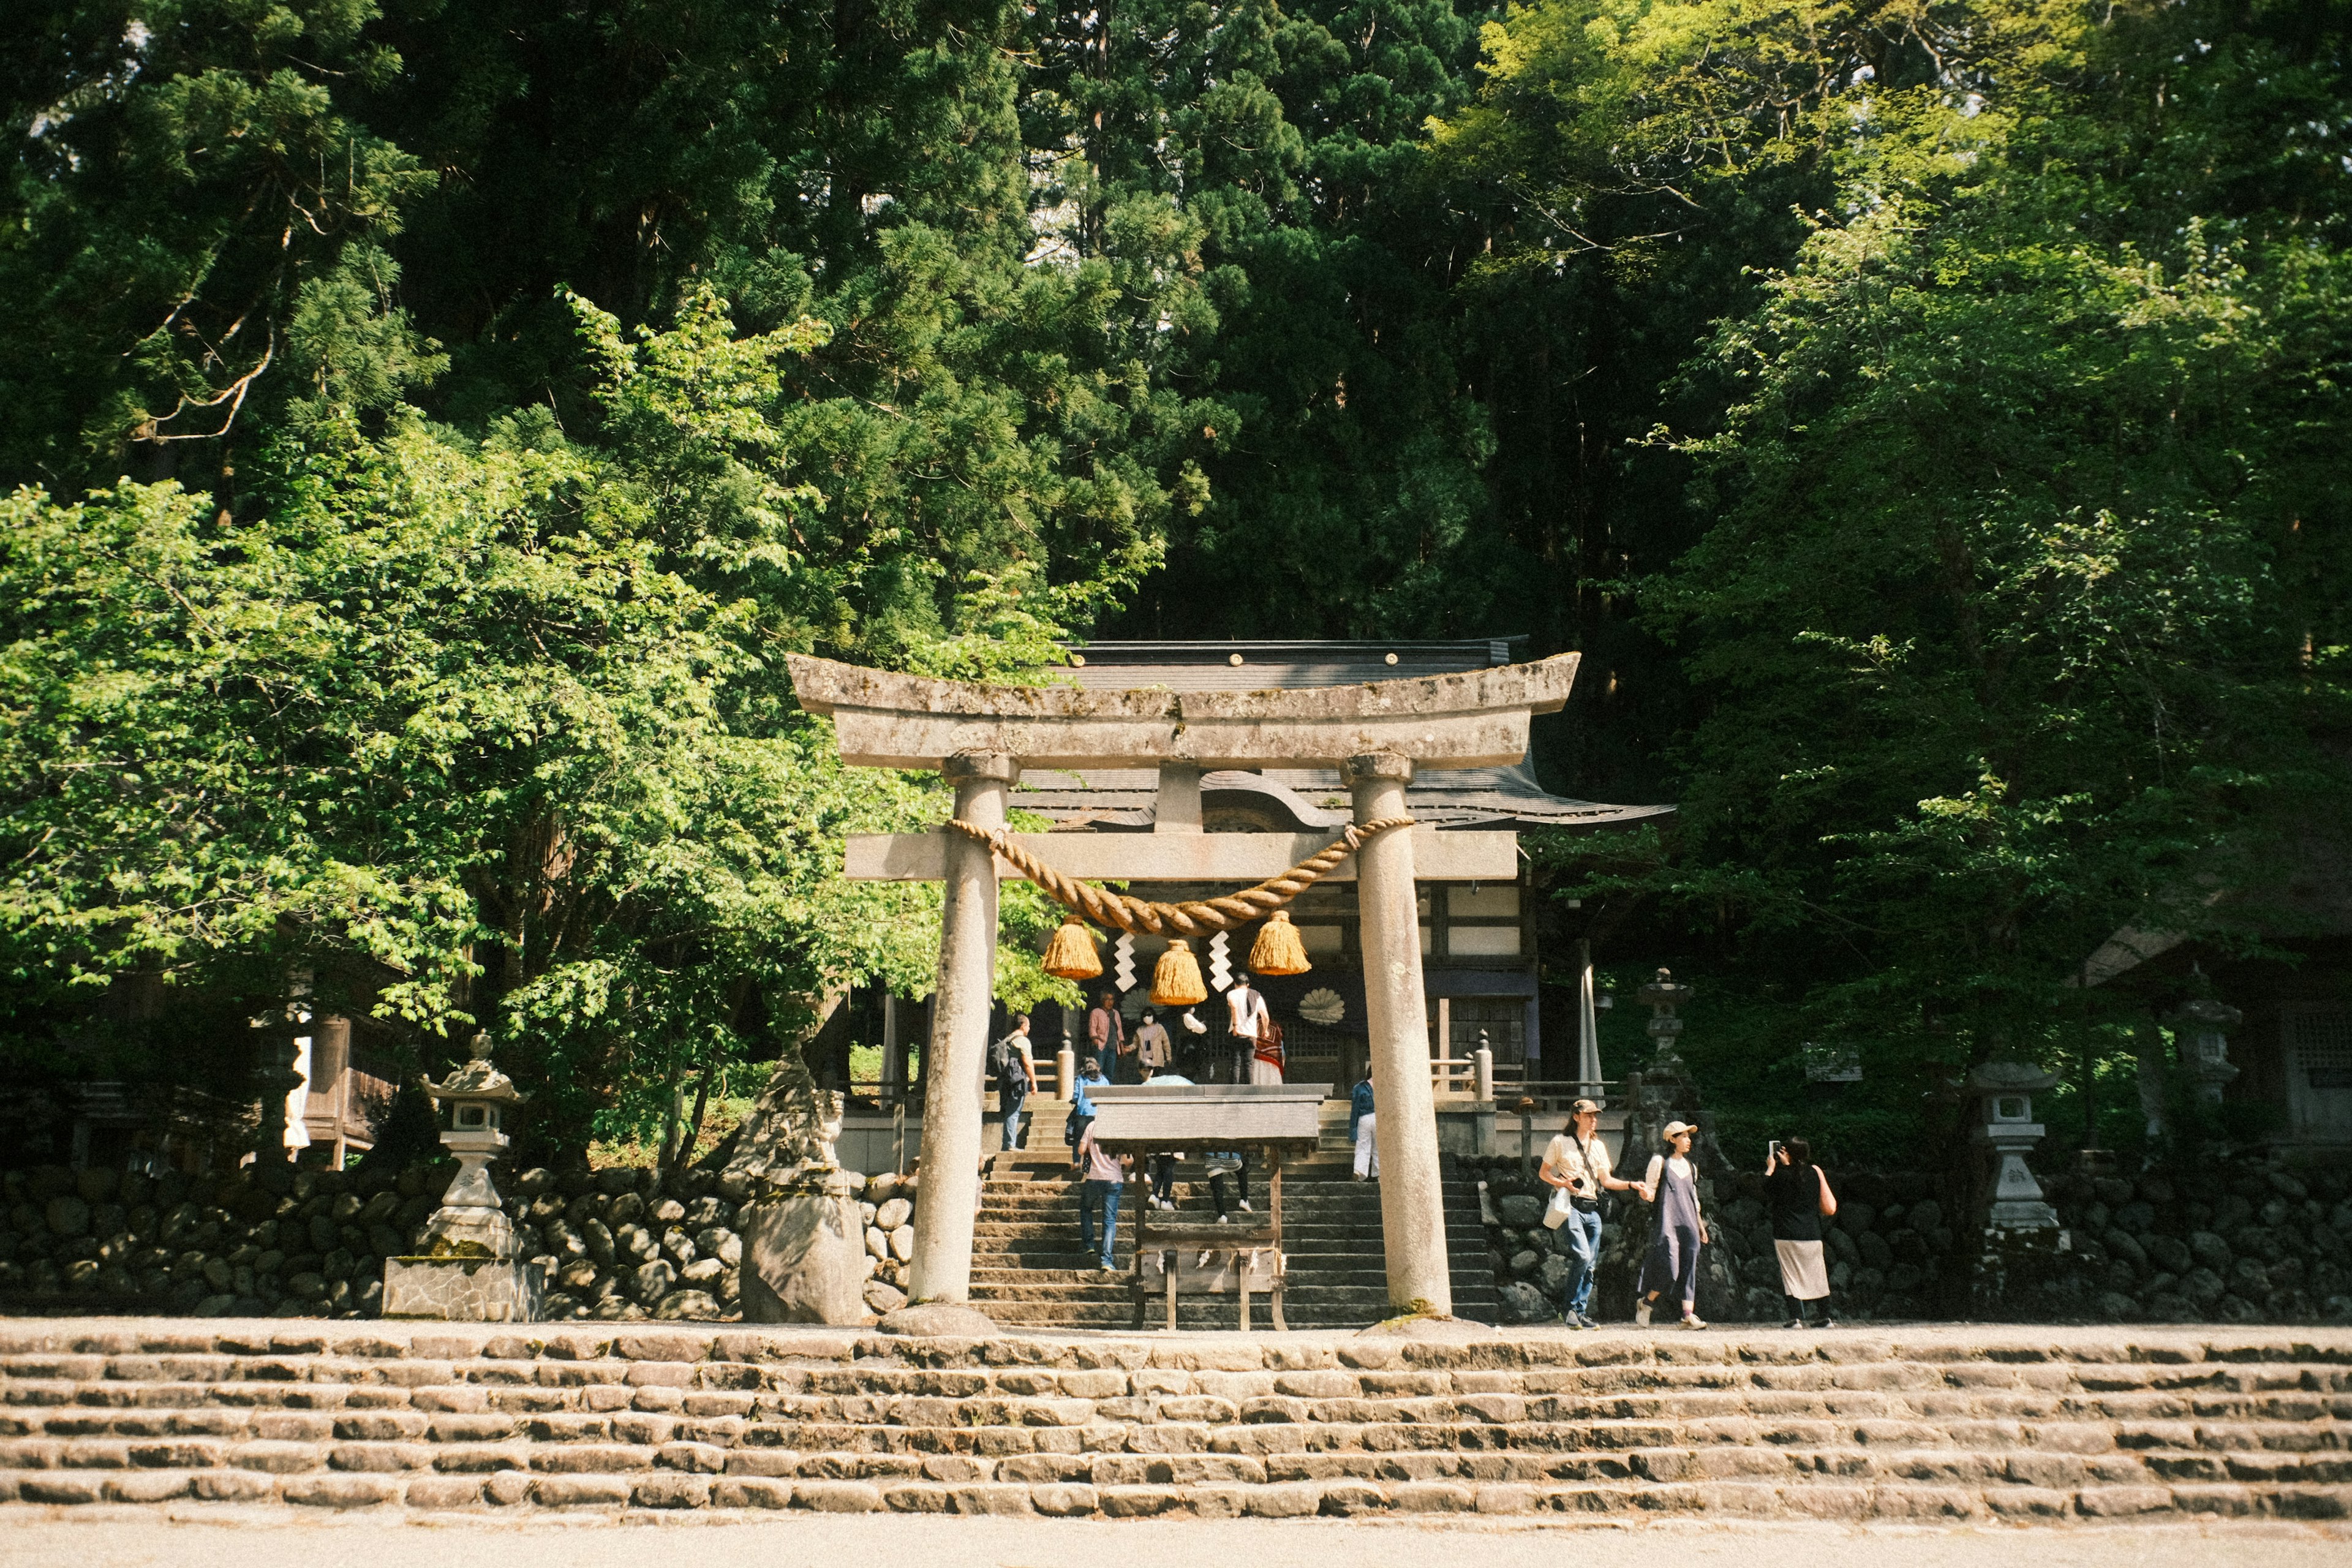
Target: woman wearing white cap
<point x="1677" y="1229"/>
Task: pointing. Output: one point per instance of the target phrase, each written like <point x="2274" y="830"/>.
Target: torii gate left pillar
<point x="954" y="1060"/>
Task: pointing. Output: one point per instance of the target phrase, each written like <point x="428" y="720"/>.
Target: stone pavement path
<point x="936" y="1541"/>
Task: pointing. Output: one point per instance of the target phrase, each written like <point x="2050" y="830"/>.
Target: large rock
<point x="1520" y="1210"/>
<point x="805" y="1259"/>
<point x="892" y="1213"/>
<point x="68" y="1216"/>
<point x="884" y="1299"/>
<point x="1523" y="1303"/>
<point x="2210" y="1250"/>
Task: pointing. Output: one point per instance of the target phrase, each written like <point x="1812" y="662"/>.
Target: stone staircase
<point x="1957" y="1424"/>
<point x="1028" y="1271"/>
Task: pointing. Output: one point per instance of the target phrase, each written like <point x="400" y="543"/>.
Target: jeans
<point x="1013" y="1103"/>
<point x="1580" y="1232"/>
<point x="1217" y="1185"/>
<point x="1105" y="1195"/>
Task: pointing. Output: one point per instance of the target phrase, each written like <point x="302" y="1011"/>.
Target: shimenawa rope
<point x="1192" y="918"/>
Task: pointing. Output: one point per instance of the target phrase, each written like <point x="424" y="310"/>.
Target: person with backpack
<point x="1008" y="1060"/>
<point x="1797" y="1192"/>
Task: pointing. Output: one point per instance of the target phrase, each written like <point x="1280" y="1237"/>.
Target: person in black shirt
<point x="1799" y="1196"/>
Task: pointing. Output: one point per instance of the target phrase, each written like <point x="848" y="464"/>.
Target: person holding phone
<point x="1575" y="1163"/>
<point x="1799" y="1196"/>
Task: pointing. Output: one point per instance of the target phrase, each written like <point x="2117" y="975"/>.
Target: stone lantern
<point x="2203" y="1028"/>
<point x="1663" y="995"/>
<point x="2009" y="1133"/>
<point x="469" y="1269"/>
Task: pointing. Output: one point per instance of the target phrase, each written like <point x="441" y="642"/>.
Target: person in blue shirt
<point x="1082" y="1105"/>
<point x="1363" y="1128"/>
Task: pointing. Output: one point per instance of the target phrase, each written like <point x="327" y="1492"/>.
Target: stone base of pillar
<point x="804" y="1257"/>
<point x="465" y="1289"/>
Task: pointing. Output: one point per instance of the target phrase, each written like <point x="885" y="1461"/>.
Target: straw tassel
<point x="1176" y="978"/>
<point x="1071" y="955"/>
<point x="1277" y="950"/>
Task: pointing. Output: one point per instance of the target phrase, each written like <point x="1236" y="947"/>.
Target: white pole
<point x="1588" y="1024"/>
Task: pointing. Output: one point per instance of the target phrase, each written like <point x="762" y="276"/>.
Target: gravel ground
<point x="935" y="1541"/>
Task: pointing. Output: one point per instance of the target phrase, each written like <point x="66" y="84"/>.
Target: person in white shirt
<point x="1576" y="1164"/>
<point x="1246" y="1009"/>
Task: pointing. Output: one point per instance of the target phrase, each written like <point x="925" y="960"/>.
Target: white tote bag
<point x="1556" y="1211"/>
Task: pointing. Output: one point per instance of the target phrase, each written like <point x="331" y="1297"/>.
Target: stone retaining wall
<point x="618" y="1243"/>
<point x="2238" y="1241"/>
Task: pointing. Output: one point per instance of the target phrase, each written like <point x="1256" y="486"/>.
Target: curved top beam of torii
<point x="1476" y="719"/>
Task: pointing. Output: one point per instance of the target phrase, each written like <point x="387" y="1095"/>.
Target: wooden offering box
<point x="1143" y="1120"/>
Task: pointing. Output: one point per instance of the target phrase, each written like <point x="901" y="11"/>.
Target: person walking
<point x="1107" y="1033"/>
<point x="1248" y="1018"/>
<point x="1363" y="1128"/>
<point x="1798" y="1194"/>
<point x="1677" y="1229"/>
<point x="1014" y="1077"/>
<point x="1162" y="1194"/>
<point x="1576" y="1166"/>
<point x="1101" y="1175"/>
<point x="1152" y="1048"/>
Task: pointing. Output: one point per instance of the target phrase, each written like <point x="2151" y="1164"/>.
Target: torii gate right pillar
<point x="1412" y="1193"/>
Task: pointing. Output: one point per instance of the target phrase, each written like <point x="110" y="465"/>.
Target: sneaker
<point x="1580" y="1321"/>
<point x="1105" y="1266"/>
<point x="1826" y="1323"/>
<point x="1225" y="1219"/>
<point x="1794" y="1323"/>
<point x="1692" y="1320"/>
<point x="1642" y="1314"/>
<point x="1246" y="1208"/>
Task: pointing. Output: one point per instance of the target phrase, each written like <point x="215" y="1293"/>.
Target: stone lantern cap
<point x="1666" y="991"/>
<point x="2011" y="1078"/>
<point x="479" y="1080"/>
<point x="2204" y="1013"/>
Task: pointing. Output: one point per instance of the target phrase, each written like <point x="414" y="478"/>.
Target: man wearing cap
<point x="1577" y="1163"/>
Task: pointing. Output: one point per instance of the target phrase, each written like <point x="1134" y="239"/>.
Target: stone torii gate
<point x="1378" y="734"/>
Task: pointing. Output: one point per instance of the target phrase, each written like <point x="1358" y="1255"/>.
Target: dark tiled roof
<point x="1314" y="798"/>
<point x="1121" y="800"/>
<point x="1270" y="665"/>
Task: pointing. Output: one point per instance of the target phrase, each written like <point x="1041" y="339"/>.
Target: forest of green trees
<point x="424" y="424"/>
